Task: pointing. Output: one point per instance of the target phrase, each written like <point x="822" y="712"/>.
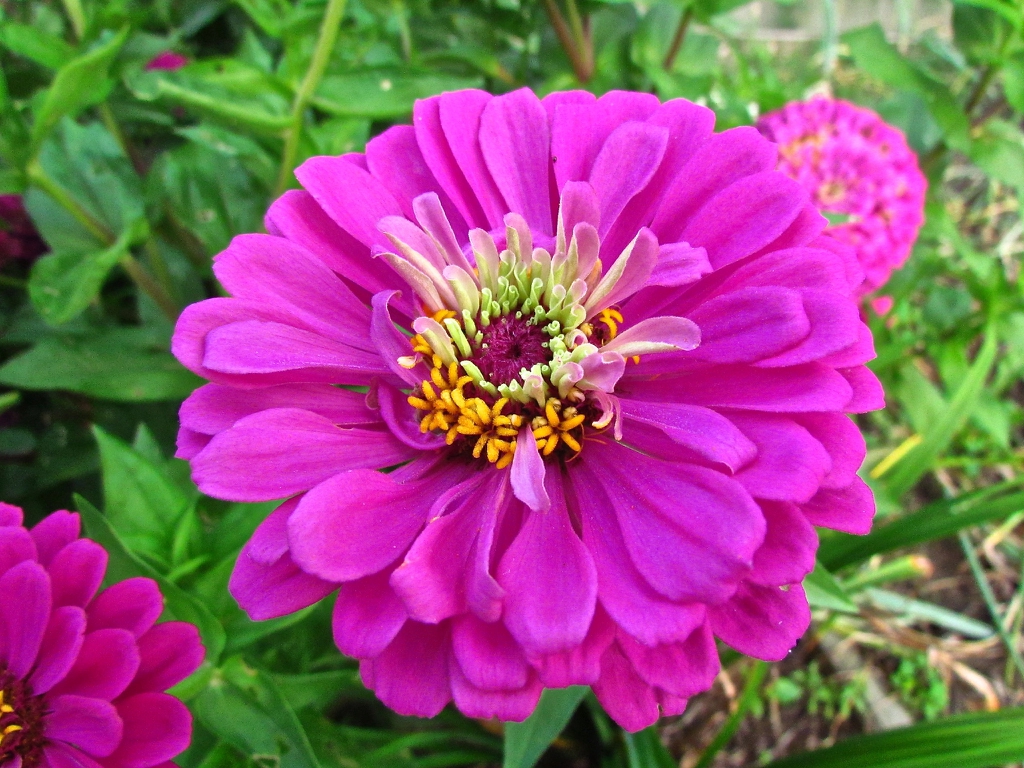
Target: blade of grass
<point x="751" y="690"/>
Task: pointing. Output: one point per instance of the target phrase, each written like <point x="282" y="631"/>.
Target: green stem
<point x="677" y="39"/>
<point x="751" y="690"/>
<point x="77" y="16"/>
<point x="317" y="65"/>
<point x="159" y="266"/>
<point x="565" y="37"/>
<point x="38" y="176"/>
<point x="583" y="42"/>
<point x="990" y="602"/>
<point x="979" y="90"/>
<point x="13" y="282"/>
<point x="148" y="285"/>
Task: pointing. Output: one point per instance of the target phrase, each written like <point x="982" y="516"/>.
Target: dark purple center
<point x="509" y="345"/>
<point x="27" y="712"/>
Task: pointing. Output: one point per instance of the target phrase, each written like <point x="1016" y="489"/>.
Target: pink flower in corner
<point x="82" y="671"/>
<point x="168" y="60"/>
<point x="855" y="164"/>
<point x="18" y="236"/>
<point x="608" y="357"/>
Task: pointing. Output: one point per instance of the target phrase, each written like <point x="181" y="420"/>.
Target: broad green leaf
<point x="974" y="740"/>
<point x="645" y="750"/>
<point x="141" y="502"/>
<point x="878" y="58"/>
<point x="124" y="564"/>
<point x="920" y="610"/>
<point x="62" y="284"/>
<point x="999" y="151"/>
<point x="1013" y="82"/>
<point x="382" y="93"/>
<point x="36" y="44"/>
<point x="935" y="521"/>
<point x="918" y="461"/>
<point x="268" y="14"/>
<point x="126" y="364"/>
<point x="80" y="83"/>
<point x="319" y="688"/>
<point x="525" y="742"/>
<point x="244" y="707"/>
<point x="823" y="591"/>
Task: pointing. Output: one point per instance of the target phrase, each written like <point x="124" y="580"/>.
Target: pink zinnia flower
<point x="167" y="60"/>
<point x="18" y="236"/>
<point x="82" y="673"/>
<point x="854" y="163"/>
<point x="609" y="355"/>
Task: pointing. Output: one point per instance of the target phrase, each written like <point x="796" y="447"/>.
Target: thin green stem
<point x="565" y="37"/>
<point x="13" y="282"/>
<point x="76" y="13"/>
<point x="677" y="39"/>
<point x="159" y="266"/>
<point x="751" y="690"/>
<point x="979" y="90"/>
<point x="321" y="55"/>
<point x="148" y="285"/>
<point x="38" y="176"/>
<point x="990" y="602"/>
<point x="583" y="42"/>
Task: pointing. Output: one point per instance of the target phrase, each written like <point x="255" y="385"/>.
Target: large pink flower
<point x="608" y="356"/>
<point x="82" y="673"/>
<point x="854" y="163"/>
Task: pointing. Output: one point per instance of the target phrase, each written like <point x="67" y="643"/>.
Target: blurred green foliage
<point x="136" y="177"/>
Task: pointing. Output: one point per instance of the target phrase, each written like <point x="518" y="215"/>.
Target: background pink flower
<point x="610" y="354"/>
<point x="83" y="670"/>
<point x="167" y="60"/>
<point x="18" y="236"/>
<point x="854" y="163"/>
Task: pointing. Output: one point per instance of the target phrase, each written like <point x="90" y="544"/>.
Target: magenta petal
<point x="106" y="664"/>
<point x="763" y="622"/>
<point x="10" y="514"/>
<point x="848" y="509"/>
<point x="681" y="669"/>
<point x="270" y="539"/>
<point x="679" y="264"/>
<point x="506" y="705"/>
<point x="745" y="217"/>
<point x="53" y="533"/>
<point x="527" y="473"/>
<point x="333" y="182"/>
<point x="91" y="725"/>
<point x="189" y="443"/>
<point x="169" y="653"/>
<point x="790" y="463"/>
<point x="867" y="390"/>
<point x="61" y="644"/>
<point x="624" y="695"/>
<point x="403" y="420"/>
<point x="391" y="343"/>
<point x="790" y="544"/>
<point x="582" y="664"/>
<point x="358" y="522"/>
<point x="834" y="325"/>
<point x="750" y="324"/>
<point x="157" y="727"/>
<point x="367" y="616"/>
<point x="76" y="572"/>
<point x="24" y="613"/>
<point x="269" y="590"/>
<point x="671" y="517"/>
<point x="16" y="546"/>
<point x="549" y="579"/>
<point x="279" y="452"/>
<point x="447" y="569"/>
<point x="578" y="205"/>
<point x="626" y="163"/>
<point x="704" y="432"/>
<point x="642" y="259"/>
<point x="843" y="441"/>
<point x="419" y="652"/>
<point x="515" y="141"/>
<point x="488" y="655"/>
<point x="133" y="604"/>
<point x="58" y="755"/>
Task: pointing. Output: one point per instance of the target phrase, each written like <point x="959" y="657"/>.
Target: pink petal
<point x="54" y="532"/>
<point x="133" y="604"/>
<point x="89" y="724"/>
<point x="624" y="695"/>
<point x="419" y="652"/>
<point x="790" y="463"/>
<point x="157" y="727"/>
<point x="682" y="669"/>
<point x="679" y="264"/>
<point x="867" y="390"/>
<point x="843" y="441"/>
<point x="549" y="579"/>
<point x="279" y="452"/>
<point x="76" y="572"/>
<point x="106" y="664"/>
<point x="488" y="655"/>
<point x="267" y="591"/>
<point x="57" y="755"/>
<point x="367" y="616"/>
<point x="625" y="165"/>
<point x="834" y="326"/>
<point x="16" y="546"/>
<point x="391" y="343"/>
<point x="24" y="613"/>
<point x="527" y="473"/>
<point x="10" y="514"/>
<point x="849" y="509"/>
<point x="582" y="664"/>
<point x="763" y="622"/>
<point x="169" y="653"/>
<point x="65" y="633"/>
<point x="513" y="705"/>
<point x="790" y="544"/>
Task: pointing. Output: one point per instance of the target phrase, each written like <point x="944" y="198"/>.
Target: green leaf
<point x="383" y="93"/>
<point x="62" y="284"/>
<point x="126" y="364"/>
<point x="525" y="742"/>
<point x="918" y="461"/>
<point x="80" y="83"/>
<point x="645" y="750"/>
<point x="125" y="565"/>
<point x="999" y="151"/>
<point x="975" y="740"/>
<point x="878" y="58"/>
<point x="1013" y="82"/>
<point x="245" y="708"/>
<point x="36" y="45"/>
<point x="823" y="591"/>
<point x="919" y="610"/>
<point x="935" y="521"/>
<point x="140" y="501"/>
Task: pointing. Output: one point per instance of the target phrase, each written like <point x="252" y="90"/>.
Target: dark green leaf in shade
<point x="525" y="742"/>
<point x="974" y="740"/>
<point x="123" y="564"/>
<point x="645" y="750"/>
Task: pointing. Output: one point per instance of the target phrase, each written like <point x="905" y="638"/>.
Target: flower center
<point x="21" y="716"/>
<point x="510" y="345"/>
